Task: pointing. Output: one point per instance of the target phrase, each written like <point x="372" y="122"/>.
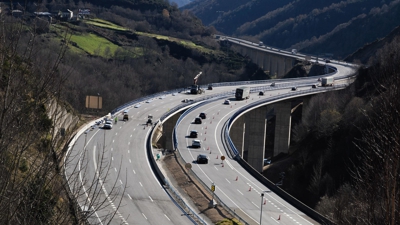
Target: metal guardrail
<point x="175" y="142"/>
<point x="237" y="83"/>
<point x="232" y="147"/>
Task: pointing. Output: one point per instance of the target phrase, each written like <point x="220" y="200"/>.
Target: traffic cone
<point x="210" y="151"/>
<point x="206" y="127"/>
<point x="250" y="188"/>
<point x="217" y="156"/>
<point x="205" y="132"/>
<point x="222" y="164"/>
<point x="210" y="122"/>
<point x="236" y="178"/>
<point x="213" y="117"/>
<point x="208" y="148"/>
<point x="279" y="218"/>
<point x="265" y="201"/>
<point x="205" y="139"/>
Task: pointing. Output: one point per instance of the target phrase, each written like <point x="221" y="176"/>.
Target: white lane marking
<point x="131" y="135"/>
<point x="128" y="151"/>
<point x="239" y="191"/>
<point x="120" y="181"/>
<point x="134" y="172"/>
<point x="129" y="196"/>
<point x="129" y="143"/>
<point x="167" y="217"/>
<point x="115" y="169"/>
<point x="255" y="205"/>
<point x="113" y="141"/>
<point x="140" y="184"/>
<point x="215" y="167"/>
<point x="116" y="134"/>
<point x="275" y="220"/>
<point x="104" y="189"/>
<point x="112" y="149"/>
<point x="255" y="185"/>
<point x="130" y="161"/>
<point x="112" y="158"/>
<point x="144" y="216"/>
<point x="151" y="199"/>
<point x="227" y="180"/>
<point x="221" y="191"/>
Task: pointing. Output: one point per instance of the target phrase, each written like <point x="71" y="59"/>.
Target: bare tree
<point x="32" y="113"/>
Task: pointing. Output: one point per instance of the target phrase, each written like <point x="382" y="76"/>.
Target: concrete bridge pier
<point x="255" y="124"/>
<point x="237" y="134"/>
<point x="282" y="127"/>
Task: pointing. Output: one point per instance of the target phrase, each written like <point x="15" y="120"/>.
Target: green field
<point x="105" y="24"/>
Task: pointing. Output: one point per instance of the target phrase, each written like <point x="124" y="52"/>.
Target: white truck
<point x="327" y="81"/>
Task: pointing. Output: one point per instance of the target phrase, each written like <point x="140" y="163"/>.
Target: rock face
<point x="64" y="120"/>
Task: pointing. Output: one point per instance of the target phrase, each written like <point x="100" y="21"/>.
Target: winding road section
<point x="113" y="165"/>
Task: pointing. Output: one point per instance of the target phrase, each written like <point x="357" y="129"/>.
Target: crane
<point x="195" y="89"/>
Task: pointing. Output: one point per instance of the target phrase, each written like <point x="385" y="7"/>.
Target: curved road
<point x="113" y="165"/>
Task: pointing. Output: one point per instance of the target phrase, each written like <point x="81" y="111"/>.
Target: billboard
<point x="94" y="102"/>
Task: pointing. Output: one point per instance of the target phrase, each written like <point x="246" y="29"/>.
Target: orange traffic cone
<point x="250" y="188"/>
<point x="237" y="178"/>
<point x="205" y="139"/>
<point x="279" y="218"/>
<point x="222" y="164"/>
<point x="265" y="201"/>
<point x="205" y="132"/>
<point x="208" y="148"/>
<point x="217" y="156"/>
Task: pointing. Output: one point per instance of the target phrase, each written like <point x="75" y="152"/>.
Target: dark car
<point x="314" y="86"/>
<point x="261" y="93"/>
<point x="197" y="120"/>
<point x="294" y="88"/>
<point x="193" y="134"/>
<point x="202" y="115"/>
<point x="202" y="159"/>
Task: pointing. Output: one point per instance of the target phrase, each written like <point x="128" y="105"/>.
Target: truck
<point x="327" y="81"/>
<point x="242" y="93"/>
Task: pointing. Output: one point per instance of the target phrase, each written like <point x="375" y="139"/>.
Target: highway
<point x="113" y="164"/>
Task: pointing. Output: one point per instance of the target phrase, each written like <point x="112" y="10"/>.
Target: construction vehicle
<point x="149" y="120"/>
<point x="195" y="89"/>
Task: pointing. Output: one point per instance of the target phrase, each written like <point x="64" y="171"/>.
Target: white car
<point x="196" y="143"/>
<point x="227" y="102"/>
<point x="108" y="125"/>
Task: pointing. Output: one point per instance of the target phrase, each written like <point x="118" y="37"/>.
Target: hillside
<point x="315" y="27"/>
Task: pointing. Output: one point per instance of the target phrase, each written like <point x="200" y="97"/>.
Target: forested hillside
<point x="314" y="27"/>
<point x="122" y="51"/>
<point x="346" y="144"/>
